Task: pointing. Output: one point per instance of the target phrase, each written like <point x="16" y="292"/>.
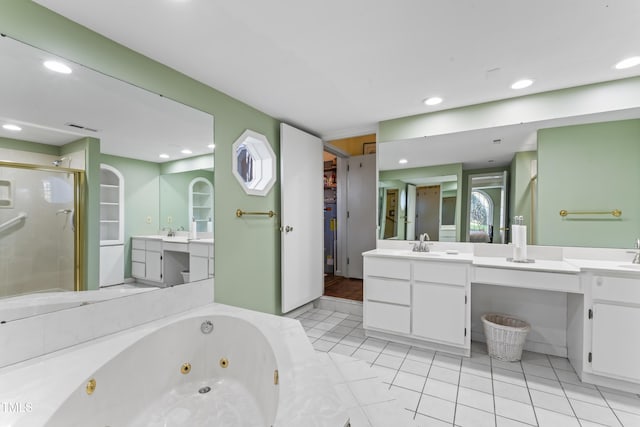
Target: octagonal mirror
<point x="254" y="163"/>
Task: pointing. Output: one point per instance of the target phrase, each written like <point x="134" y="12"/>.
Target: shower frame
<point x="79" y="193"/>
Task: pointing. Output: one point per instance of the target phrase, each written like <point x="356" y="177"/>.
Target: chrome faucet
<point x="170" y="232"/>
<point x="423" y="245"/>
<point x="636" y="259"/>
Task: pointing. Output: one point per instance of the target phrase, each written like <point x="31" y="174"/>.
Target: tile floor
<point x="389" y="384"/>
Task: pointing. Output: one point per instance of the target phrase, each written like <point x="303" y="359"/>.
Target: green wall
<point x="592" y="167"/>
<point x="521" y="188"/>
<point x="174" y="197"/>
<point x="254" y="245"/>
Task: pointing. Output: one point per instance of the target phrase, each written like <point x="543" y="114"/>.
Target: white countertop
<point x="174" y="239"/>
<point x="568" y="265"/>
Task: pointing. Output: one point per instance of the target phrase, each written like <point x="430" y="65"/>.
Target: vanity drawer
<point x="385" y="267"/>
<point x="175" y="247"/>
<point x="620" y="289"/>
<point x="137" y="244"/>
<point x="440" y="272"/>
<point x="388" y="317"/>
<point x="387" y="290"/>
<point x="137" y="255"/>
<point x="198" y="249"/>
<point x="561" y="282"/>
<point x="153" y="245"/>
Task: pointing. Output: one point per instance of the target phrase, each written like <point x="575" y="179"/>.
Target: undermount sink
<point x="176" y="239"/>
<point x="631" y="266"/>
<point x="425" y="254"/>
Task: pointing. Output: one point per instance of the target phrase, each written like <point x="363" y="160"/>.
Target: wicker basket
<point x="505" y="336"/>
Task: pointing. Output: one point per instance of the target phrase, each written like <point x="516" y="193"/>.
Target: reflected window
<point x="481" y="218"/>
<point x="254" y="163"/>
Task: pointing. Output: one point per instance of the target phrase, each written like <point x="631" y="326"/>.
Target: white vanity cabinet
<point x="200" y="260"/>
<point x="439" y="309"/>
<point x="417" y="302"/>
<point x="387" y="295"/>
<point x="614" y="324"/>
<point x="146" y="259"/>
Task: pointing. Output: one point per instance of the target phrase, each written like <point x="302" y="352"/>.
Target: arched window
<point x="481" y="219"/>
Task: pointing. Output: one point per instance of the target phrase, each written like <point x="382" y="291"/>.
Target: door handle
<point x="287" y="229"/>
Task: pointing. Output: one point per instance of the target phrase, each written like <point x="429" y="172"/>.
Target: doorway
<point x="428" y="211"/>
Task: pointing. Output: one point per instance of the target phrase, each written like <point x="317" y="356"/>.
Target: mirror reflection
<point x="86" y="128"/>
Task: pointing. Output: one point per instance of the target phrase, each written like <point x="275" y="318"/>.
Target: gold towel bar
<point x="616" y="212"/>
<point x="240" y="212"/>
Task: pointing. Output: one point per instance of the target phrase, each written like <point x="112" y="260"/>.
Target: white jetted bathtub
<point x="213" y="366"/>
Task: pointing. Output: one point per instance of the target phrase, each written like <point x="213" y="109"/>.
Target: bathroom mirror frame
<point x="253" y="163"/>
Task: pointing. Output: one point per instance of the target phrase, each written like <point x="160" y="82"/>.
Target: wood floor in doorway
<point x="343" y="287"/>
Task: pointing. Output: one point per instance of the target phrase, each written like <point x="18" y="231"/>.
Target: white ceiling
<point x="336" y="68"/>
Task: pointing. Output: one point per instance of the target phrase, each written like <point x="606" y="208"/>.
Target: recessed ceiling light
<point x="186" y="151"/>
<point x="521" y="84"/>
<point x="403" y="161"/>
<point x="164" y="156"/>
<point x="212" y="146"/>
<point x="11" y="127"/>
<point x="628" y="62"/>
<point x="58" y="67"/>
<point x="434" y="100"/>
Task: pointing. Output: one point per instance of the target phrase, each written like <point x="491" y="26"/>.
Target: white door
<point x="362" y="198"/>
<point x="302" y="217"/>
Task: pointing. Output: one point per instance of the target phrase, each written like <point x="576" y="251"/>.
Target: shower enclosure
<point x="38" y="229"/>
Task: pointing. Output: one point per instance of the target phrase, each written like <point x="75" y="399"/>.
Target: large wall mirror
<point x="472" y="183"/>
<point x="134" y="128"/>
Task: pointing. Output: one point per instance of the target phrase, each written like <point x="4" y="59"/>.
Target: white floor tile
<point x="472" y="417"/>
<point x="441" y="389"/>
<point x="388" y="414"/>
<point x="544" y="384"/>
<point x="539" y="371"/>
<point x="508" y="376"/>
<point x="510" y="366"/>
<point x="508" y="422"/>
<point x="389" y="361"/>
<point x="322" y="345"/>
<point x="341" y="330"/>
<point x="349" y="323"/>
<point x="479" y="358"/>
<point x="551" y="402"/>
<point x="560" y="363"/>
<point x="425" y="421"/>
<point x="511" y="391"/>
<point x="347" y="350"/>
<point x="410" y="381"/>
<point x="437" y="408"/>
<point x="352" y="340"/>
<point x="444" y="374"/>
<point x="315" y="333"/>
<point x="355" y="371"/>
<point x="408" y="399"/>
<point x="394" y="349"/>
<point x="590" y="412"/>
<point x="625" y="402"/>
<point x="628" y="419"/>
<point x="358" y="332"/>
<point x="478" y="369"/>
<point x="475" y="399"/>
<point x="584" y="394"/>
<point x="535" y="358"/>
<point x="373" y="344"/>
<point x="515" y="410"/>
<point x="548" y="418"/>
<point x="478" y="347"/>
<point x="384" y="374"/>
<point x="446" y="361"/>
<point x="370" y="391"/>
<point x="365" y="355"/>
<point x="415" y="367"/>
<point x="421" y="355"/>
<point x="568" y="377"/>
<point x="330" y="337"/>
<point x="475" y="382"/>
